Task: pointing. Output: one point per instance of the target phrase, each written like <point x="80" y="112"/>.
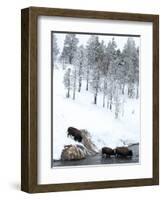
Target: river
<point x="98" y="159"/>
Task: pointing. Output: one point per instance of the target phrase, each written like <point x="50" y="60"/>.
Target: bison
<point x="107" y="152"/>
<point x="123" y="152"/>
<point x="75" y="133"/>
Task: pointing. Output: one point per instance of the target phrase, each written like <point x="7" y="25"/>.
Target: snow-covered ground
<point x="83" y="114"/>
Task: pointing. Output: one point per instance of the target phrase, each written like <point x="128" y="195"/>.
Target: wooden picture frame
<point x="29" y="110"/>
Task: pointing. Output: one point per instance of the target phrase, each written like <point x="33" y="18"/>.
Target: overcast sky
<point x="83" y="38"/>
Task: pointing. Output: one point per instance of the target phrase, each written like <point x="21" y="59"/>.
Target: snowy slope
<point x="83" y="114"/>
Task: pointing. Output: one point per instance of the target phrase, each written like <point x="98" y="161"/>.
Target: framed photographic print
<point x="90" y="99"/>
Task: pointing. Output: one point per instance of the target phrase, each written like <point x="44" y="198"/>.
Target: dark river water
<point x="98" y="159"/>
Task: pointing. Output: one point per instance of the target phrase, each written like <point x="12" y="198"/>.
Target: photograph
<point x="89" y="99"/>
<point x="95" y="99"/>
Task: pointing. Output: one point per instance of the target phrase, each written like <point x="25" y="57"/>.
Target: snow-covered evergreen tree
<point x="136" y="69"/>
<point x="131" y="62"/>
<point x="69" y="48"/>
<point x="67" y="81"/>
<point x="117" y="100"/>
<point x="74" y="80"/>
<point x="90" y="58"/>
<point x="110" y="75"/>
<point x="96" y="49"/>
<point x="104" y="66"/>
<point x="70" y="80"/>
<point x="62" y="59"/>
<point x="55" y="48"/>
<point x="80" y="63"/>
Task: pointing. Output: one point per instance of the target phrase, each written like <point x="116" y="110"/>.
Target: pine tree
<point x="131" y="62"/>
<point x="96" y="49"/>
<point x="110" y="75"/>
<point x="80" y="62"/>
<point x="74" y="80"/>
<point x="104" y="66"/>
<point x="91" y="55"/>
<point x="136" y="71"/>
<point x="117" y="100"/>
<point x="67" y="81"/>
<point x="63" y="58"/>
<point x="55" y="48"/>
<point x="69" y="48"/>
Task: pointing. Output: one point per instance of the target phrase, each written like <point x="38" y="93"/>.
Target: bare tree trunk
<point x="68" y="93"/>
<point x="128" y="91"/>
<point x="97" y="88"/>
<point x="137" y="91"/>
<point x="70" y="59"/>
<point x="74" y="85"/>
<point x="80" y="77"/>
<point x="107" y="103"/>
<point x="104" y="91"/>
<point x="123" y="88"/>
<point x="117" y="101"/>
<point x="87" y="85"/>
<point x="103" y="100"/>
<point x="110" y="107"/>
<point x="73" y="94"/>
<point x="74" y="89"/>
<point x="116" y="115"/>
<point x="80" y="84"/>
<point x="95" y="99"/>
<point x="68" y="88"/>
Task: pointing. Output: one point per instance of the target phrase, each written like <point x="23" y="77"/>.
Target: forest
<point x="103" y="67"/>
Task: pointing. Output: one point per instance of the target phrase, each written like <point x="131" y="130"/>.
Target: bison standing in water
<point x="75" y="133"/>
<point x="123" y="152"/>
<point x="118" y="152"/>
<point x="107" y="152"/>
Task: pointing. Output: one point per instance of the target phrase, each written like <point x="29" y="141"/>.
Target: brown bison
<point x="75" y="133"/>
<point x="123" y="152"/>
<point x="107" y="152"/>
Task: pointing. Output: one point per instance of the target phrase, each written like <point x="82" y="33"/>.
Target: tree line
<point x="104" y="67"/>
